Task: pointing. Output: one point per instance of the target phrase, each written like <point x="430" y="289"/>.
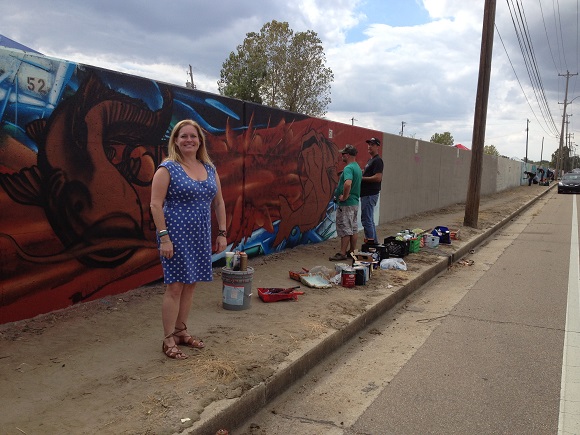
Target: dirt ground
<point x="97" y="367"/>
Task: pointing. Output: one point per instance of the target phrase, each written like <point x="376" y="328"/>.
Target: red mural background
<point x="75" y="180"/>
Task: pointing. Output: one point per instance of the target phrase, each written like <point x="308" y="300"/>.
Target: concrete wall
<point x="79" y="146"/>
<point x="421" y="176"/>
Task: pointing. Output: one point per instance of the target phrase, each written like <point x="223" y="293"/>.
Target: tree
<point x="280" y="69"/>
<point x="444" y="138"/>
<point x="242" y="73"/>
<point x="491" y="150"/>
<point x="567" y="159"/>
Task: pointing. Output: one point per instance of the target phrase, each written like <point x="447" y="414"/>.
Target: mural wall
<point x="78" y="149"/>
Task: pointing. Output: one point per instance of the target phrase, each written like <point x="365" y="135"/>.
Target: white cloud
<point x="424" y="74"/>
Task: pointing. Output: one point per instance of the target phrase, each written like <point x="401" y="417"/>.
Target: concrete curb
<point x="261" y="395"/>
<point x="464" y="250"/>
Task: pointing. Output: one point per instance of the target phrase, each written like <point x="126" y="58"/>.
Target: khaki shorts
<point x="346" y="222"/>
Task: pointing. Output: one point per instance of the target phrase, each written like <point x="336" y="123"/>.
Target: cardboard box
<point x="364" y="256"/>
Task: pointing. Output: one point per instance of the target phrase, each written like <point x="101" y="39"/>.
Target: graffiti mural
<point x="78" y="149"/>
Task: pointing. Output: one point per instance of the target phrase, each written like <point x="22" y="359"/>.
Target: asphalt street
<point x="490" y="347"/>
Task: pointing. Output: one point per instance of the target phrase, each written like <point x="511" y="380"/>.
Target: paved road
<point x="488" y="347"/>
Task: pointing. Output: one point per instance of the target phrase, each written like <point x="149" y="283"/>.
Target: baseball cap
<point x="349" y="149"/>
<point x="374" y="141"/>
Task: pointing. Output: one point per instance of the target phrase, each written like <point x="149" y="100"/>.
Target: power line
<point x="520" y="83"/>
<point x="562" y="35"/>
<point x="547" y="38"/>
<point x="523" y="36"/>
<point x="556" y="27"/>
<point x="577" y="42"/>
<point x="535" y="63"/>
<point x="558" y="164"/>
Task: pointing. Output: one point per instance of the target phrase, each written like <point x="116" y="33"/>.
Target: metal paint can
<point x="368" y="269"/>
<point x="360" y="275"/>
<point x="348" y="278"/>
<point x="243" y="261"/>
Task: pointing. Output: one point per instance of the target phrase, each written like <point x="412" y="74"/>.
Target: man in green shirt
<point x="347" y="198"/>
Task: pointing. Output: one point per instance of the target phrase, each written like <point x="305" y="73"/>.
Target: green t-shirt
<point x="352" y="172"/>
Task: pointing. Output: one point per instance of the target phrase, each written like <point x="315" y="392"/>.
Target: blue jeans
<point x="367" y="216"/>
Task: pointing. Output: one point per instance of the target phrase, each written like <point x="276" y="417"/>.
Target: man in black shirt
<point x="370" y="188"/>
<point x="530" y="175"/>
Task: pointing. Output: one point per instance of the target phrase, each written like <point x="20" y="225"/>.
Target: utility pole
<point x="403" y="123"/>
<point x="353" y="120"/>
<point x="527" y="135"/>
<point x="568" y="137"/>
<point x="573" y="148"/>
<point x="480" y="116"/>
<point x="190" y="84"/>
<point x="561" y="148"/>
<point x="542" y="153"/>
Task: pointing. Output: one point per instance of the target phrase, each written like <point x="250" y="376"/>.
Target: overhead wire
<point x="562" y="35"/>
<point x="560" y="42"/>
<point x="519" y="82"/>
<point x="556" y="27"/>
<point x="547" y="38"/>
<point x="544" y="100"/>
<point x="526" y="48"/>
<point x="577" y="45"/>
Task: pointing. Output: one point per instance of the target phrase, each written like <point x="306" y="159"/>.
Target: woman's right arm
<point x="159" y="188"/>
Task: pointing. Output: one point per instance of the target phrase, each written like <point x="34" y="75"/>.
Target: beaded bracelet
<point x="222" y="233"/>
<point x="162" y="233"/>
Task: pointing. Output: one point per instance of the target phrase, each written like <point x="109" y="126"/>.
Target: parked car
<point x="569" y="182"/>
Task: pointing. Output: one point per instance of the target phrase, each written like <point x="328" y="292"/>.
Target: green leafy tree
<point x="280" y="69"/>
<point x="567" y="163"/>
<point x="243" y="72"/>
<point x="443" y="138"/>
<point x="491" y="150"/>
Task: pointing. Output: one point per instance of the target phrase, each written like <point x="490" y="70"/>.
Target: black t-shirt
<point x="374" y="166"/>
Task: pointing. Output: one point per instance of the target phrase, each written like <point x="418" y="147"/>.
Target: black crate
<point x="444" y="235"/>
<point x="366" y="247"/>
<point x="396" y="248"/>
<point x="381" y="249"/>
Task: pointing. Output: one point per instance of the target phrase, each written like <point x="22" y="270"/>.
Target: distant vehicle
<point x="569" y="182"/>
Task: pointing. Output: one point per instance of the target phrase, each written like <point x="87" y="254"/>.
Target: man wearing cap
<point x="346" y="197"/>
<point x="369" y="192"/>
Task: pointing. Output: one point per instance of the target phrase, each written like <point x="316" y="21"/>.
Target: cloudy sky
<point x="394" y="61"/>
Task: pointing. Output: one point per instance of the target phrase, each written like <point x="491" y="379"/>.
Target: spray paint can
<point x="243" y="261"/>
<point x="230" y="260"/>
<point x="236" y="261"/>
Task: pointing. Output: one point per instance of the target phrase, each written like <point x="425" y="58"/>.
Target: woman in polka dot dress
<point x="185" y="187"/>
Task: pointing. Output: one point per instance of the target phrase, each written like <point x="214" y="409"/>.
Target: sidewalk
<point x="98" y="367"/>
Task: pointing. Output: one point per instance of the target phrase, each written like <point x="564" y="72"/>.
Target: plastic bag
<point x="393" y="263"/>
<point x="322" y="270"/>
<point x="336" y="279"/>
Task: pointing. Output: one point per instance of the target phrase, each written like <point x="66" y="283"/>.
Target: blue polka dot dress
<point x="187" y="210"/>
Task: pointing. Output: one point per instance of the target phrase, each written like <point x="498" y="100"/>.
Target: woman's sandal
<point x="186" y="339"/>
<point x="172" y="351"/>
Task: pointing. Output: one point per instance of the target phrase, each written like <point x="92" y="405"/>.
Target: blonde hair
<point x="173" y="151"/>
